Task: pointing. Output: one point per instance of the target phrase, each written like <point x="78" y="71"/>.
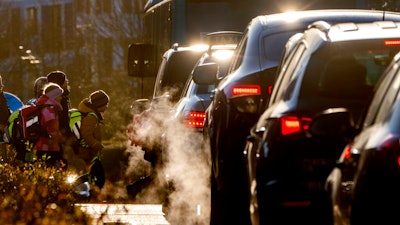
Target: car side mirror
<point x="206" y="74"/>
<point x="333" y="123"/>
<point x="139" y="105"/>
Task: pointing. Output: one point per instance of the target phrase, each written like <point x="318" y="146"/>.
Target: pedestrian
<point x="38" y="86"/>
<point x="91" y="132"/>
<point x="48" y="147"/>
<point x="23" y="148"/>
<point x="60" y="78"/>
<point x="5" y="112"/>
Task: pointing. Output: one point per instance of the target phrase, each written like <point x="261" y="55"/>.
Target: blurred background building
<point x="89" y="39"/>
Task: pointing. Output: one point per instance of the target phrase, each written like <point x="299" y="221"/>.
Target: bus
<point x="185" y="22"/>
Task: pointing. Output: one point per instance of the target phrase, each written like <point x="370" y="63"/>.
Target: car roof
<point x="296" y="21"/>
<point x="275" y="21"/>
<point x="352" y="31"/>
<point x="314" y="38"/>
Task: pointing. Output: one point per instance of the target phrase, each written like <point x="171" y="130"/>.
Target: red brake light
<point x="270" y="89"/>
<point x="392" y="42"/>
<point x="294" y="124"/>
<point x="195" y="119"/>
<point x="347" y="152"/>
<point x="248" y="89"/>
<point x="290" y="124"/>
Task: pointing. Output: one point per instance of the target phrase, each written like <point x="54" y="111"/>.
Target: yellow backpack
<point x="75" y="120"/>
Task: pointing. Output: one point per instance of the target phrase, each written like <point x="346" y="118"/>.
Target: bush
<point x="37" y="194"/>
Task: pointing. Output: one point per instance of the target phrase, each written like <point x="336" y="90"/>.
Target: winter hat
<point x="57" y="77"/>
<point x="99" y="99"/>
<point x="39" y="85"/>
<point x="53" y="90"/>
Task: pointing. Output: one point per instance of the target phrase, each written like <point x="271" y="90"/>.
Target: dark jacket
<point x="91" y="128"/>
<point x="4" y="110"/>
<point x="4" y="113"/>
<point x="64" y="115"/>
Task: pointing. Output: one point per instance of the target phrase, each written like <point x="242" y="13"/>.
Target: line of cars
<point x="243" y="96"/>
<point x="329" y="69"/>
<point x="178" y="104"/>
<point x="175" y="95"/>
<point x="150" y="116"/>
<point x="297" y="99"/>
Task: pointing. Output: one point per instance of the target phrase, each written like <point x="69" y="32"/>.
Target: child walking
<point x="90" y="146"/>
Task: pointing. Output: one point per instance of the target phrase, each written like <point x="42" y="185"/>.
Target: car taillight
<point x="195" y="119"/>
<point x="246" y="89"/>
<point x="347" y="152"/>
<point x="350" y="154"/>
<point x="392" y="42"/>
<point x="294" y="124"/>
<point x="270" y="89"/>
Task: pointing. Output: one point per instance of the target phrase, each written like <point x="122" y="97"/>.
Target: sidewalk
<point x="132" y="214"/>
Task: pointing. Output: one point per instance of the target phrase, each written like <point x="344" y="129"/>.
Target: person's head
<point x="58" y="77"/>
<point x="40" y="82"/>
<point x="99" y="100"/>
<point x="53" y="91"/>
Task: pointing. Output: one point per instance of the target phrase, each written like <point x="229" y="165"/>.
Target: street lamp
<point x="28" y="56"/>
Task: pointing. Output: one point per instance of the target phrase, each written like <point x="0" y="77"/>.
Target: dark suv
<point x="328" y="67"/>
<point x="365" y="183"/>
<point x="242" y="95"/>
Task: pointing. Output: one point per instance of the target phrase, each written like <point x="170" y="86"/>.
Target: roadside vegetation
<point x="37" y="194"/>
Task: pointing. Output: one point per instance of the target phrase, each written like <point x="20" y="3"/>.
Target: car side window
<point x="381" y="93"/>
<point x="394" y="116"/>
<point x="387" y="101"/>
<point x="286" y="86"/>
<point x="274" y="45"/>
<point x="284" y="63"/>
<point x="238" y="55"/>
<point x="204" y="89"/>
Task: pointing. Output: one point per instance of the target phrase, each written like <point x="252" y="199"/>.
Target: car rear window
<point x="340" y="69"/>
<point x="205" y="89"/>
<point x="274" y="45"/>
<point x="345" y="73"/>
<point x="176" y="73"/>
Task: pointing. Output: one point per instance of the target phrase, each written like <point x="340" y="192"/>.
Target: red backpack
<point x="24" y="124"/>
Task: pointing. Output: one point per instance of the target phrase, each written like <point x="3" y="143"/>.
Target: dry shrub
<point x="37" y="194"/>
